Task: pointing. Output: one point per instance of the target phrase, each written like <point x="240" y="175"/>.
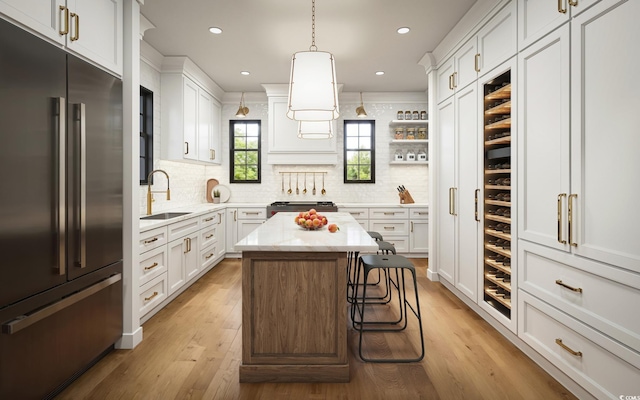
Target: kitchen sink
<point x="167" y="215"/>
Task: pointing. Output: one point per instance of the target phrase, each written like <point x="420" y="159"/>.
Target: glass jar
<point x="422" y="133"/>
<point x="411" y="156"/>
<point x="399" y="133"/>
<point x="423" y="115"/>
<point x="398" y="156"/>
<point x="411" y="133"/>
<point x="407" y="115"/>
<point x="400" y="115"/>
<point x="416" y="115"/>
<point x="422" y="155"/>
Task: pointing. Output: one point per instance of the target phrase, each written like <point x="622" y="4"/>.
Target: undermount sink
<point x="167" y="215"/>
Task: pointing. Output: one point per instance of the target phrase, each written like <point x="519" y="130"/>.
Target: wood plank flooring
<point x="192" y="350"/>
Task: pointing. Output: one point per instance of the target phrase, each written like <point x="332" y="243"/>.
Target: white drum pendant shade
<point x="315" y="129"/>
<point x="313" y="92"/>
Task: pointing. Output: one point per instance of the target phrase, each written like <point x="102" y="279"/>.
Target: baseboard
<point x="432" y="275"/>
<point x="130" y="340"/>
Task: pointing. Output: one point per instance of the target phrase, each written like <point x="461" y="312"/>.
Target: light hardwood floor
<point x="192" y="350"/>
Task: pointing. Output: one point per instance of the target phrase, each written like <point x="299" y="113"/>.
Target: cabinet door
<point x="445" y="220"/>
<point x="96" y="31"/>
<point x="176" y="272"/>
<point x="536" y="18"/>
<point x="465" y="65"/>
<point x="246" y="226"/>
<point x="231" y="229"/>
<point x="221" y="247"/>
<point x="543" y="144"/>
<point x="419" y="237"/>
<point x="444" y="78"/>
<point x="497" y="40"/>
<point x="215" y="133"/>
<point x="192" y="256"/>
<point x="190" y="118"/>
<point x="467" y="137"/>
<point x="205" y="121"/>
<point x="44" y="17"/>
<point x="604" y="133"/>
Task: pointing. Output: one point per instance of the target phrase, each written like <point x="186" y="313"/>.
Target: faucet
<point x="149" y="191"/>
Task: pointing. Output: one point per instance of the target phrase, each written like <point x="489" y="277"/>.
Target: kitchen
<point x="430" y="186"/>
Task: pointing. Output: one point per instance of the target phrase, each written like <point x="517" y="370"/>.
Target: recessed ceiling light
<point x="403" y="30"/>
<point x="216" y="30"/>
<point x="379" y="72"/>
<point x="245" y="72"/>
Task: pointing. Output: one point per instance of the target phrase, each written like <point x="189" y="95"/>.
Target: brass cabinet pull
<point x="560" y="7"/>
<point x="150" y="241"/>
<point x="568" y="349"/>
<point x="208" y="236"/>
<point x="476" y="204"/>
<point x="389" y="228"/>
<point x="208" y="256"/>
<point x="187" y="243"/>
<point x="77" y="24"/>
<point x="252" y="212"/>
<point x="354" y="213"/>
<point x="423" y="213"/>
<point x="570" y="212"/>
<point x="151" y="297"/>
<point x="560" y="196"/>
<point x="389" y="213"/>
<point x="235" y="215"/>
<point x="152" y="266"/>
<point x="453" y="80"/>
<point x="187" y="145"/>
<point x="411" y="226"/>
<point x="212" y="154"/>
<point x="564" y="285"/>
<point x="450" y="201"/>
<point x="573" y="3"/>
<point x="477" y="62"/>
<point x="453" y="203"/>
<point x="208" y="219"/>
<point x="66" y="20"/>
<point x="219" y="218"/>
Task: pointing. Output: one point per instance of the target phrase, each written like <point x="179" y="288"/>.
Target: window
<point x="245" y="151"/>
<point x="359" y="152"/>
<point x="146" y="134"/>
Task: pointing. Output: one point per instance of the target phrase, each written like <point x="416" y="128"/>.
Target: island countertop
<point x="280" y="233"/>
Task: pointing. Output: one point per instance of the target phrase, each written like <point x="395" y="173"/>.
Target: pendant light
<point x="243" y="111"/>
<point x="313" y="91"/>
<point x="360" y="112"/>
<point x="315" y="129"/>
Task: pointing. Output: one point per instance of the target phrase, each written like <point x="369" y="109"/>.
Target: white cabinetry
<point x="241" y="222"/>
<point x="182" y="253"/>
<point x="418" y="230"/>
<point x="152" y="269"/>
<point x="92" y="29"/>
<point x="190" y="116"/>
<point x="284" y="146"/>
<point x="361" y="214"/>
<point x="393" y="224"/>
<point x="458" y="71"/>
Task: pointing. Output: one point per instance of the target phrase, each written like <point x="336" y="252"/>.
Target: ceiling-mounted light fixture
<point x="243" y="111"/>
<point x="313" y="91"/>
<point x="360" y="112"/>
<point x="315" y="129"/>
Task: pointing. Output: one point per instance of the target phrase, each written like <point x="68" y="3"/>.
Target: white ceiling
<point x="260" y="36"/>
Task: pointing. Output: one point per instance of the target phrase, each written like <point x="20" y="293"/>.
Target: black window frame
<point x="146" y="134"/>
<point x="233" y="150"/>
<point x="359" y="122"/>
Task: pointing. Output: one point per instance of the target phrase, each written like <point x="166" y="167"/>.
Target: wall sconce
<point x="243" y="111"/>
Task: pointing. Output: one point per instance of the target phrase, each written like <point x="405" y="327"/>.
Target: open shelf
<point x="409" y="141"/>
<point x="502" y="93"/>
<point x="499" y="299"/>
<point x="498" y="266"/>
<point x="498" y="234"/>
<point x="498" y="203"/>
<point x="498" y="250"/>
<point x="502" y="140"/>
<point x="496" y="171"/>
<point x="504" y="108"/>
<point x="398" y="122"/>
<point x="502" y="124"/>
<point x="409" y="162"/>
<point x="497" y="218"/>
<point x="498" y="281"/>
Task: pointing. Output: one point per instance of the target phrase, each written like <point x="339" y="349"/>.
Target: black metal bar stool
<point x="386" y="262"/>
<point x="375" y="235"/>
<point x="352" y="259"/>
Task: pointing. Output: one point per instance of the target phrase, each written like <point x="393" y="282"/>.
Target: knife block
<point x="405" y="197"/>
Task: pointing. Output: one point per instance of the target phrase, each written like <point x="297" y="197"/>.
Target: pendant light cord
<point x="313" y="26"/>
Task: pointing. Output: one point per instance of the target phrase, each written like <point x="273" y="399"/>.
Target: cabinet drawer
<point x="604" y="367"/>
<point x="209" y="255"/>
<point x="252" y="213"/>
<point x="183" y="228"/>
<point x="593" y="299"/>
<point x="387" y="213"/>
<point x="209" y="219"/>
<point x="360" y="214"/>
<point x="401" y="243"/>
<point x="419" y="213"/>
<point x="152" y="263"/>
<point x="152" y="294"/>
<point x="389" y="227"/>
<point x="152" y="238"/>
<point x="210" y="235"/>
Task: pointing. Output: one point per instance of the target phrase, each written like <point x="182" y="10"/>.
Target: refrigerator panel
<point x="32" y="99"/>
<point x="95" y="165"/>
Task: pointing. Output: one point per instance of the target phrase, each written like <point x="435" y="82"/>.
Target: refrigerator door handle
<point x="80" y="117"/>
<point x="25" y="321"/>
<point x="61" y="114"/>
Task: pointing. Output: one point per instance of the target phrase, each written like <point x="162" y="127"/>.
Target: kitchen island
<point x="294" y="309"/>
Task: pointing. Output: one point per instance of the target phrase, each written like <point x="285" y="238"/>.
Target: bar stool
<point x="375" y="235"/>
<point x="383" y="248"/>
<point x="401" y="264"/>
<point x="352" y="259"/>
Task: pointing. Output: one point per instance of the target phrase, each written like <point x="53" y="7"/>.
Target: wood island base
<point x="294" y="317"/>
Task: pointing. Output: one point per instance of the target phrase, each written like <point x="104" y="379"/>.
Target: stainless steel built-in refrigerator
<point x="60" y="215"/>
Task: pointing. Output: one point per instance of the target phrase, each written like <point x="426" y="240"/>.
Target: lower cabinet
<point x="242" y="221"/>
<point x="183" y="261"/>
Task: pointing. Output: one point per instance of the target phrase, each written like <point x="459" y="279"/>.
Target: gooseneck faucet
<point x="149" y="191"/>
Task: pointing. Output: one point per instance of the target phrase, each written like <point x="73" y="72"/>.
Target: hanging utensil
<point x="282" y="176"/>
<point x="323" y="191"/>
<point x="297" y="190"/>
<point x="304" y="191"/>
<point x="313" y="192"/>
<point x="289" y="191"/>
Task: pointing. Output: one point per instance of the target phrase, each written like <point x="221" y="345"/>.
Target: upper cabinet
<point x="490" y="47"/>
<point x="537" y="18"/>
<point x="91" y="29"/>
<point x="285" y="147"/>
<point x="191" y="116"/>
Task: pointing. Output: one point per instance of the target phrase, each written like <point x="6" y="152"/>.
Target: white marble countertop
<point x="412" y="205"/>
<point x="194" y="210"/>
<point x="280" y="233"/>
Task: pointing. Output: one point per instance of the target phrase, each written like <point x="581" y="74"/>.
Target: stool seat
<point x="386" y="262"/>
<point x="386" y="247"/>
<point x="375" y="235"/>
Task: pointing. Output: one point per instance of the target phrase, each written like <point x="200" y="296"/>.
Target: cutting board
<point x="211" y="183"/>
